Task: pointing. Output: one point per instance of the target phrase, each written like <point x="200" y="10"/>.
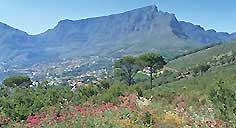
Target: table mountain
<point x="133" y="32"/>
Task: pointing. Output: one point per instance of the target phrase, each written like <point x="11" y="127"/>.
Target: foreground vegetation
<point x="132" y="98"/>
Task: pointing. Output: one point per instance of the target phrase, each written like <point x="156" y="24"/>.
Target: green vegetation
<point x="200" y="68"/>
<point x="201" y="86"/>
<point x="201" y="57"/>
<point x="200" y="94"/>
<point x="17" y="81"/>
<point x="126" y="69"/>
<point x="153" y="62"/>
<point x="224" y="99"/>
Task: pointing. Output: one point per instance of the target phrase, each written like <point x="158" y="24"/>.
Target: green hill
<point x="202" y="56"/>
<point x="202" y="84"/>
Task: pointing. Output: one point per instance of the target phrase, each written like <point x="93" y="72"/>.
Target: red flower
<point x="199" y="124"/>
<point x="189" y="122"/>
<point x="80" y="109"/>
<point x="216" y="125"/>
<point x="182" y="104"/>
<point x="33" y="119"/>
<point x="208" y="121"/>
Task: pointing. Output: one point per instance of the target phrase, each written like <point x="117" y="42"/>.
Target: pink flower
<point x="208" y="121"/>
<point x="182" y="104"/>
<point x="80" y="109"/>
<point x="216" y="125"/>
<point x="33" y="119"/>
<point x="27" y="126"/>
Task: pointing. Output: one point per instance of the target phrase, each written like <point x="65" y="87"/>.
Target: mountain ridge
<point x="148" y="7"/>
<point x="145" y="29"/>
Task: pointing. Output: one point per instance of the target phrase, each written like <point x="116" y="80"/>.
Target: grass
<point x="201" y="57"/>
<point x="198" y="88"/>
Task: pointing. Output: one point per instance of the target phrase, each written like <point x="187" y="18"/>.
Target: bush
<point x="147" y="119"/>
<point x="104" y="84"/>
<point x="89" y="90"/>
<point x="21" y="102"/>
<point x="166" y="77"/>
<point x="200" y="68"/>
<point x="23" y="81"/>
<point x="224" y="100"/>
<point x="116" y="90"/>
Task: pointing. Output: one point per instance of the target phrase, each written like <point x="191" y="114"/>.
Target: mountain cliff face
<point x="141" y="30"/>
<point x="12" y="41"/>
<point x="199" y="34"/>
<point x="18" y="47"/>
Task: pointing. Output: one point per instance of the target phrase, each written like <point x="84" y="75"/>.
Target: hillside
<point x="182" y="103"/>
<point x="202" y="57"/>
<point x="201" y="85"/>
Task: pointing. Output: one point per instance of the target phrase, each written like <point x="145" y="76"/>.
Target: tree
<point x="23" y="81"/>
<point x="104" y="84"/>
<point x="152" y="61"/>
<point x="126" y="69"/>
<point x="200" y="68"/>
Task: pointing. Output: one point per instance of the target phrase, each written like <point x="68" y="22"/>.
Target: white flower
<point x="143" y="102"/>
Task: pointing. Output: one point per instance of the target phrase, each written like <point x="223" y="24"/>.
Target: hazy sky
<point x="36" y="16"/>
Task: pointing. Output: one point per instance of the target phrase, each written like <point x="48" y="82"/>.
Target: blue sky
<point x="36" y="16"/>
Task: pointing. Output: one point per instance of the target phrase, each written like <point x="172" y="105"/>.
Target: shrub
<point x="17" y="81"/>
<point x="21" y="102"/>
<point x="104" y="84"/>
<point x="200" y="68"/>
<point x="224" y="100"/>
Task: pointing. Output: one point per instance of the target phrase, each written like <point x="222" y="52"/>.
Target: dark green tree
<point x="200" y="68"/>
<point x="104" y="84"/>
<point x="126" y="68"/>
<point x="23" y="81"/>
<point x="152" y="61"/>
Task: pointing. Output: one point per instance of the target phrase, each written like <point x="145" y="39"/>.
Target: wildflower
<point x="182" y="104"/>
<point x="33" y="119"/>
<point x="143" y="102"/>
<point x="190" y="121"/>
<point x="216" y="125"/>
<point x="82" y="124"/>
<point x="208" y="121"/>
<point x="170" y="117"/>
<point x="27" y="126"/>
<point x="199" y="124"/>
<point x="80" y="109"/>
<point x="83" y="117"/>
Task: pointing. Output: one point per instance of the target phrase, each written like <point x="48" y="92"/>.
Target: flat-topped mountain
<point x="141" y="30"/>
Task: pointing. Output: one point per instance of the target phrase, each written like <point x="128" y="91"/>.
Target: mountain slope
<point x="141" y="30"/>
<point x="202" y="56"/>
<point x="133" y="32"/>
<point x="136" y="31"/>
<point x="12" y="42"/>
<point x="19" y="48"/>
